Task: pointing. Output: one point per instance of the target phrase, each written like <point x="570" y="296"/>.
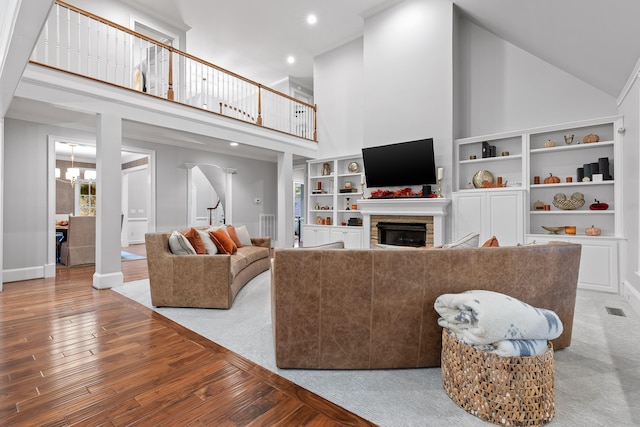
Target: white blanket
<point x="486" y="317"/>
<point x="509" y="348"/>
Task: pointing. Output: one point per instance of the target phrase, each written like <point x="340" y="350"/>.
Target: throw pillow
<point x="195" y="240"/>
<point x="232" y="233"/>
<point x="386" y="246"/>
<point x="471" y="240"/>
<point x="243" y="235"/>
<point x="334" y="245"/>
<point x="179" y="245"/>
<point x="491" y="243"/>
<point x="208" y="243"/>
<point x="223" y="242"/>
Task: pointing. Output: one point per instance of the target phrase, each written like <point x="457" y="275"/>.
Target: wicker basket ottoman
<point x="509" y="391"/>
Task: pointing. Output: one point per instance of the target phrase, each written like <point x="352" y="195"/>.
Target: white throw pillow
<point x="471" y="240"/>
<point x="208" y="243"/>
<point x="385" y="246"/>
<point x="180" y="245"/>
<point x="243" y="235"/>
<point x="221" y="227"/>
<point x="334" y="245"/>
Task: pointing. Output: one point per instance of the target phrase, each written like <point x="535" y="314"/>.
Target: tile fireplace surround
<point x="433" y="212"/>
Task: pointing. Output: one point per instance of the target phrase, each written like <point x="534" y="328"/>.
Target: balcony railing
<point x="87" y="45"/>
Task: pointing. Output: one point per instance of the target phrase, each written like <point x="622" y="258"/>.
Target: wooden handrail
<point x="177" y="51"/>
<point x="170" y="94"/>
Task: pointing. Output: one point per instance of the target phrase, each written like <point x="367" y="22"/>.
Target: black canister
<point x="603" y="166"/>
<point x="580" y="174"/>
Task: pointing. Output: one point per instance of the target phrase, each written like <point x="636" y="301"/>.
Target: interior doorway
<point x="138" y="166"/>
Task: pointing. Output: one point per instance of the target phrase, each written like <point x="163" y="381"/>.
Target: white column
<point x="285" y="200"/>
<point x="108" y="199"/>
<point x="228" y="195"/>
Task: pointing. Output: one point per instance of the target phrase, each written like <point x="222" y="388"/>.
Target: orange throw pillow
<point x="234" y="236"/>
<point x="195" y="240"/>
<point x="223" y="242"/>
<point x="491" y="243"/>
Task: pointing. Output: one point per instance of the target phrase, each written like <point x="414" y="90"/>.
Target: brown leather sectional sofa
<point x="204" y="281"/>
<point x="364" y="309"/>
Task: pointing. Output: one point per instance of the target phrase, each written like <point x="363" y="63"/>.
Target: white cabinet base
<point x="598" y="263"/>
<point x="321" y="235"/>
<point x="497" y="213"/>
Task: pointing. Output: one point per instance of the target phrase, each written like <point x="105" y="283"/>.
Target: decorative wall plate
<point x="353" y="167"/>
<point x="483" y="175"/>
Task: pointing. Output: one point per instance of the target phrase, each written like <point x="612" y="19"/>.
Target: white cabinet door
<point x="505" y="217"/>
<point x="598" y="261"/>
<point x="314" y="236"/>
<point x="351" y="236"/>
<point x="490" y="213"/>
<point x="467" y="214"/>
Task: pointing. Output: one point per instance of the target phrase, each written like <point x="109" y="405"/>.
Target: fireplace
<point x="431" y="212"/>
<point x="402" y="233"/>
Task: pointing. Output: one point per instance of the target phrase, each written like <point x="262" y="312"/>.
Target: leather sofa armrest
<point x="264" y="242"/>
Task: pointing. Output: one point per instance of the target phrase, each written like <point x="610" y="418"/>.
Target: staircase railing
<point x="81" y="43"/>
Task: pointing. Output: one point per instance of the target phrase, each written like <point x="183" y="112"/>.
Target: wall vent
<point x="615" y="311"/>
<point x="268" y="226"/>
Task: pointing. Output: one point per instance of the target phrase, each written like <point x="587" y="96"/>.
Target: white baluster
<point x="46" y="42"/>
<point x="79" y="42"/>
<point x="57" y="36"/>
<point x="107" y="57"/>
<point x="88" y="47"/>
<point x="69" y="39"/>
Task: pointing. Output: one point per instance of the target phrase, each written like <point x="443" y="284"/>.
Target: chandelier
<point x="73" y="172"/>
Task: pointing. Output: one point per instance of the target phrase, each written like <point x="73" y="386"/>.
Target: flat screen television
<point x="400" y="164"/>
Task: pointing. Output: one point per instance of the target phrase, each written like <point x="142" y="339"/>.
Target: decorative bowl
<point x="480" y="176"/>
<point x="553" y="230"/>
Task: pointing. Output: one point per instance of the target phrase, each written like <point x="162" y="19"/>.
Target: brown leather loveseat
<point x="204" y="281"/>
<point x="366" y="309"/>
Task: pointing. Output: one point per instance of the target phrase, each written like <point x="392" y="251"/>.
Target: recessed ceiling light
<point x="233" y="144"/>
<point x="312" y="19"/>
<point x="291" y="59"/>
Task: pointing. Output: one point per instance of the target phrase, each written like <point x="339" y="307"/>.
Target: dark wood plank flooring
<point x="73" y="355"/>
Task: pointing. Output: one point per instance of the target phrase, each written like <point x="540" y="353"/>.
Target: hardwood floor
<point x="73" y="355"/>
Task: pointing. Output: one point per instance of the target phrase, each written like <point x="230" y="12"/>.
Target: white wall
<point x="501" y="88"/>
<point x="408" y="75"/>
<point x="339" y="91"/>
<point x="25" y="209"/>
<point x="630" y="273"/>
<point x="254" y="178"/>
<point x="25" y="230"/>
<point x="393" y="85"/>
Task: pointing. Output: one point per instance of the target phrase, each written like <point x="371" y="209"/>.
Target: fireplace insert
<point x="402" y="234"/>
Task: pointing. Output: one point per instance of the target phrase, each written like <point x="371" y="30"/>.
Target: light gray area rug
<point x="597" y="379"/>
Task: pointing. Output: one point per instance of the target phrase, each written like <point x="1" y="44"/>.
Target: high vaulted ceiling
<point x="597" y="41"/>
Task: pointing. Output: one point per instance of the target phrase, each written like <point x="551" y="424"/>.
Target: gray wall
<point x="25" y="197"/>
<point x="501" y="88"/>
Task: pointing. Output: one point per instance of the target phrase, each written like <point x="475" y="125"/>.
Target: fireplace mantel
<point x="400" y="206"/>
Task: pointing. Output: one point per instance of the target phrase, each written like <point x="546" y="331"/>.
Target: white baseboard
<point x="18" y="274"/>
<point x="106" y="281"/>
<point x="632" y="295"/>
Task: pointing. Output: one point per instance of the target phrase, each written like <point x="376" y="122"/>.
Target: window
<point x="87" y="198"/>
